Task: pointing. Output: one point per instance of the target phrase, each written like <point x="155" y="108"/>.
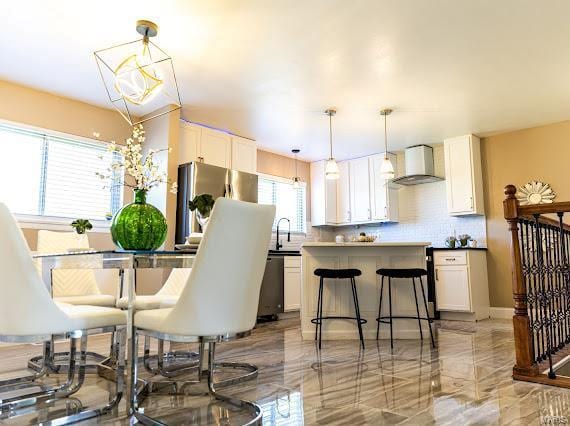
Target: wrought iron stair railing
<point x="540" y="260"/>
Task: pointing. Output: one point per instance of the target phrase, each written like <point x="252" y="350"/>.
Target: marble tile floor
<point x="466" y="380"/>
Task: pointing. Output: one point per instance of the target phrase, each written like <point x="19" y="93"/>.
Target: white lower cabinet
<point x="461" y="284"/>
<point x="292" y="283"/>
<point x="452" y="288"/>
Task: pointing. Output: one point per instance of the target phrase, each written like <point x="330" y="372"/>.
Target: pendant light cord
<point x="296" y="173"/>
<point x="385" y="139"/>
<point x="330" y="132"/>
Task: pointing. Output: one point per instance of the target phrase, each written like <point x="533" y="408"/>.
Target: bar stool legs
<point x="418" y="309"/>
<point x="318" y="320"/>
<point x="357" y="311"/>
<point x="390" y="319"/>
<point x="427" y="313"/>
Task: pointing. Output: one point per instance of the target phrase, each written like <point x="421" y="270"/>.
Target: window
<point x="51" y="175"/>
<point x="289" y="201"/>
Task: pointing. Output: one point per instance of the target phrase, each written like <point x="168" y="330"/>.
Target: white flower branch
<point x="144" y="173"/>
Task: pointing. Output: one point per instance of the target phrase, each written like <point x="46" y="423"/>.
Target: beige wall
<point x="540" y="153"/>
<point x="41" y="109"/>
<point x="279" y="165"/>
<point x="20" y="104"/>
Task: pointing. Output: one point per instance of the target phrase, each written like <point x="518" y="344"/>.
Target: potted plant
<point x="139" y="225"/>
<point x="81" y="225"/>
<point x="203" y="205"/>
<point x="464" y="239"/>
<point x="450" y="242"/>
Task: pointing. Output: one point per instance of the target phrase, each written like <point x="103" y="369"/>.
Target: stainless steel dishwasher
<point x="271" y="295"/>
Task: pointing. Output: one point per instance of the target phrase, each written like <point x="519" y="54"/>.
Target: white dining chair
<point x="166" y="297"/>
<point x="219" y="302"/>
<point x="73" y="287"/>
<point x="76" y="287"/>
<point x="170" y="363"/>
<point x="28" y="314"/>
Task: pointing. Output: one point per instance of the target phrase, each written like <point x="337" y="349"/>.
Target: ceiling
<point x="267" y="69"/>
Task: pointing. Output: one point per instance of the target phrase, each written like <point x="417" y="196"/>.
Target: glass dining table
<point x="121" y="261"/>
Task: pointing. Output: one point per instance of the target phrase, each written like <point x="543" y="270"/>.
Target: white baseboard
<point x="502" y="313"/>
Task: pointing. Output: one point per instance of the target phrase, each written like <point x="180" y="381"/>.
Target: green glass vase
<point x="139" y="226"/>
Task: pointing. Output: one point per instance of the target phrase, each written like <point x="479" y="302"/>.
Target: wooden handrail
<point x="524" y="352"/>
<point x="533" y="209"/>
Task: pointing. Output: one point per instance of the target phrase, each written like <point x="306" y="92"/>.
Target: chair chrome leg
<point x="72" y="384"/>
<point x="42" y="371"/>
<point x="161" y="357"/>
<point x="251" y="407"/>
<point x="45" y="393"/>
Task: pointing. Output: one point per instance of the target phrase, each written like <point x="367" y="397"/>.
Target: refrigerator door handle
<point x="227" y="190"/>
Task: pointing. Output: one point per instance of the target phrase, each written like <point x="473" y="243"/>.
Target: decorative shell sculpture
<point x="535" y="193"/>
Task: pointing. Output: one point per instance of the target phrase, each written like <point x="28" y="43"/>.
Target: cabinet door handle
<point x="436" y="276"/>
<point x="369" y="214"/>
<point x="471" y="200"/>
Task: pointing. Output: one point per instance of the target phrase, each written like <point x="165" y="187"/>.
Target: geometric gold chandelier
<point x="139" y="77"/>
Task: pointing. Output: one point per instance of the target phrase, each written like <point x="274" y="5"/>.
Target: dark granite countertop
<point x="269" y="253"/>
<point x="457" y="248"/>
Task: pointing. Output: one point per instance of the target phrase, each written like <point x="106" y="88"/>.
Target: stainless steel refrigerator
<point x="199" y="178"/>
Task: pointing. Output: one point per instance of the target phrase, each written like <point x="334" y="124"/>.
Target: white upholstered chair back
<point x="222" y="293"/>
<point x="175" y="283"/>
<point x="71" y="282"/>
<point x="26" y="307"/>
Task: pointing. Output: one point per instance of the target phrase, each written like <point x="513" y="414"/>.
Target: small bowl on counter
<point x="364" y="238"/>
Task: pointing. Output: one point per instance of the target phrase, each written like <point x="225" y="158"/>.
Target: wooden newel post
<point x="525" y="365"/>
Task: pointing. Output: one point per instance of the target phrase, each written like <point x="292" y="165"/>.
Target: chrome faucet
<point x="277" y="244"/>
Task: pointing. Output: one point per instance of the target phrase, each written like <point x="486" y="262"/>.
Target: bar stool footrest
<point x="319" y="320"/>
<point x="383" y="319"/>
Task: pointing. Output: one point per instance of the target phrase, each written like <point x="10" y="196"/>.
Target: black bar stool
<point x="337" y="274"/>
<point x="412" y="273"/>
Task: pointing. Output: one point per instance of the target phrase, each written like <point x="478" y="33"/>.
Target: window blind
<point x="290" y="202"/>
<point x="56" y="176"/>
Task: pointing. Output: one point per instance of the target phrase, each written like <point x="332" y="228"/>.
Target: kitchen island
<point x="367" y="257"/>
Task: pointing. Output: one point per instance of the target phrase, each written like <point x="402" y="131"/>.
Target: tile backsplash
<point x="423" y="217"/>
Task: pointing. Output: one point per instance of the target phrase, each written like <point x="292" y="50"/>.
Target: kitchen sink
<point x="284" y="252"/>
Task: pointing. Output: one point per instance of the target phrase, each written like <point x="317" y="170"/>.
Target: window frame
<point x="285" y="180"/>
<point x="56" y="223"/>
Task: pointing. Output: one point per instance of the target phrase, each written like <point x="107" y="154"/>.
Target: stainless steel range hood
<point x="419" y="166"/>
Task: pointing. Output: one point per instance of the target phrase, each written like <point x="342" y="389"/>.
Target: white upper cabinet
<point x="463" y="176"/>
<point x="210" y="146"/>
<point x="360" y="190"/>
<point x="215" y="148"/>
<point x="189" y="142"/>
<point x="358" y="196"/>
<point x="383" y="196"/>
<point x="244" y="155"/>
<point x="343" y="193"/>
<point x="323" y="196"/>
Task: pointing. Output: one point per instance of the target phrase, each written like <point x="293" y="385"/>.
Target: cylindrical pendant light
<point x="296" y="180"/>
<point x="386" y="168"/>
<point x="331" y="168"/>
